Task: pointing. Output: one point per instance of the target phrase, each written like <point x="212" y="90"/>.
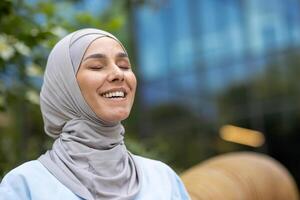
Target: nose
<point x="116" y="74"/>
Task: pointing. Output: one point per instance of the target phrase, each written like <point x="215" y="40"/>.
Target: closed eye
<point x="96" y="67"/>
<point x="123" y="64"/>
<point x="125" y="67"/>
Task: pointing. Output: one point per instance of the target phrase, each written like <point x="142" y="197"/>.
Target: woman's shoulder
<point x="159" y="177"/>
<point x="29" y="168"/>
<point x="30" y="181"/>
<point x="151" y="163"/>
<point x="153" y="167"/>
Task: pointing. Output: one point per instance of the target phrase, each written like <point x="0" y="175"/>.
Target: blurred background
<point x="213" y="76"/>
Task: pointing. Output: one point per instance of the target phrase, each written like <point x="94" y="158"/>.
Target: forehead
<point x="104" y="45"/>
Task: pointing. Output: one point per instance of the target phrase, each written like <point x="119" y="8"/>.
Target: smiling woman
<point x="88" y="89"/>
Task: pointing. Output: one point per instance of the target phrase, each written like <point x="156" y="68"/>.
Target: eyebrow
<point x="100" y="55"/>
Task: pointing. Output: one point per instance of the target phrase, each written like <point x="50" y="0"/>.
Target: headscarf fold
<point x="88" y="155"/>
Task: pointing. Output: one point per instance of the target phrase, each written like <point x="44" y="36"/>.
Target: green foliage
<point x="28" y="32"/>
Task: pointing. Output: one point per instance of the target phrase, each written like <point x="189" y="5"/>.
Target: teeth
<point x="114" y="94"/>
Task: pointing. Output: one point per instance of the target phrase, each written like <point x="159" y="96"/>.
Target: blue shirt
<point x="32" y="181"/>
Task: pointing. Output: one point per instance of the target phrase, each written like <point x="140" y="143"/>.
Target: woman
<point x="88" y="89"/>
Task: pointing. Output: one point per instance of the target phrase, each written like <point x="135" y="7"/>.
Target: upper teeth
<point x="114" y="94"/>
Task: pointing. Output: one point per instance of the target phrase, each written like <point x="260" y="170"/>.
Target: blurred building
<point x="230" y="61"/>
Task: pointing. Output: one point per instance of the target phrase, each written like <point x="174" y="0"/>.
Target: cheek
<point x="89" y="82"/>
<point x="92" y="80"/>
<point x="132" y="81"/>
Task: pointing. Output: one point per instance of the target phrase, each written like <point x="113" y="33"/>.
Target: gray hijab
<point x="88" y="155"/>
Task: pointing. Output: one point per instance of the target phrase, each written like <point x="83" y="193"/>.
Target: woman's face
<point x="106" y="80"/>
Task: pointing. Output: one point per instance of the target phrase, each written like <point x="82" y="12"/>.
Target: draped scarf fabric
<point x="88" y="155"/>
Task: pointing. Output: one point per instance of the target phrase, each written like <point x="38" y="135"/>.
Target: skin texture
<point x="106" y="67"/>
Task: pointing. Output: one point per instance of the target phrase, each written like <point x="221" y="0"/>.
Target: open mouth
<point x="114" y="94"/>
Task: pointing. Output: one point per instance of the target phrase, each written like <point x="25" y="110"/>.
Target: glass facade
<point x="184" y="38"/>
<point x="229" y="61"/>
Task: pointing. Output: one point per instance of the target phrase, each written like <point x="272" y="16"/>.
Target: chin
<point x="115" y="117"/>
